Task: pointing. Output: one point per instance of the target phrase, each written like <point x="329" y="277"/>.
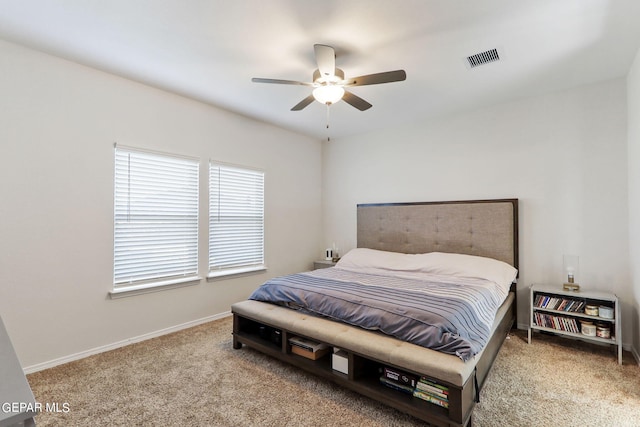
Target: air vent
<point x="483" y="58"/>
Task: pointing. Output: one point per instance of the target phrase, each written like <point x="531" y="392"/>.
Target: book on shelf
<point x="562" y="305"/>
<point x="430" y="398"/>
<point x="560" y="323"/>
<point x="434" y="391"/>
<point x="399" y="376"/>
<point x="559" y="304"/>
<point x="396" y="385"/>
<point x="433" y="383"/>
<point x="428" y="385"/>
<point x="423" y="388"/>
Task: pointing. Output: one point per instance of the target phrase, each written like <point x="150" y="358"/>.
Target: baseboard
<point x="633" y="351"/>
<point x="81" y="355"/>
<point x="522" y="326"/>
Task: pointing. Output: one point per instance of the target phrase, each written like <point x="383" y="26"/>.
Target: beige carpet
<point x="195" y="378"/>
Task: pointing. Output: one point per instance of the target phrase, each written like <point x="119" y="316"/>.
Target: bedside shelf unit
<point x="323" y="264"/>
<point x="568" y="323"/>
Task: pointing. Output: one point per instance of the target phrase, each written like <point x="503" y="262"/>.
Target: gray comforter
<point x="453" y="316"/>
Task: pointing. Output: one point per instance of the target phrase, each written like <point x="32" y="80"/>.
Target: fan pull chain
<point x="328" y="137"/>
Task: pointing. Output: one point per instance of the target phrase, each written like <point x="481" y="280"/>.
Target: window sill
<point x="129" y="291"/>
<point x="228" y="273"/>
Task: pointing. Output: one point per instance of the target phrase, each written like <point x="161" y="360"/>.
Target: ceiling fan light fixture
<point x="328" y="94"/>
<point x="329" y="83"/>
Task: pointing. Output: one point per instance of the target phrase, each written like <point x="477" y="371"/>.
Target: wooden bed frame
<point x="479" y="227"/>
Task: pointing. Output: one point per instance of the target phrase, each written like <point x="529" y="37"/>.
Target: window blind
<point x="236" y="218"/>
<point x="156" y="217"/>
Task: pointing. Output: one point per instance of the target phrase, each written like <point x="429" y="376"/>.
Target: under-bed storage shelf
<point x="274" y="342"/>
<point x="363" y="376"/>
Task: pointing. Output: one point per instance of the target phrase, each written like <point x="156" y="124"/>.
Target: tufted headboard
<point x="475" y="227"/>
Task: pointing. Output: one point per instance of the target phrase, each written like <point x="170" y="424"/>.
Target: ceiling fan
<point x="329" y="83"/>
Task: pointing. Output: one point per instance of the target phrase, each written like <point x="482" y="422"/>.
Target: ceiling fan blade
<point x="377" y="78"/>
<point x="300" y="105"/>
<point x="355" y="101"/>
<point x="326" y="59"/>
<point x="282" y="82"/>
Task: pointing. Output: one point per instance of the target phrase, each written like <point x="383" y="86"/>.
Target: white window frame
<point x="236" y="220"/>
<point x="156" y="208"/>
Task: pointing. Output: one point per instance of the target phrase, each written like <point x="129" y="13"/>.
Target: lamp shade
<point x="328" y="94"/>
<point x="571" y="267"/>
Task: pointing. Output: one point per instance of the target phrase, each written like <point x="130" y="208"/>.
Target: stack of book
<point x="559" y="323"/>
<point x="421" y="387"/>
<point x="398" y="380"/>
<point x="431" y="391"/>
<point x="559" y="304"/>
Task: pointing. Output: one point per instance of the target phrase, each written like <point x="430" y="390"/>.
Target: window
<point x="236" y="220"/>
<point x="156" y="220"/>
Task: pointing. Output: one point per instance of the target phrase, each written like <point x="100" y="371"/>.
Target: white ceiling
<point x="209" y="50"/>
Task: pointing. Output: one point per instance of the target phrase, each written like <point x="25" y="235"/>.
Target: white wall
<point x="633" y="126"/>
<point x="58" y="123"/>
<point x="562" y="155"/>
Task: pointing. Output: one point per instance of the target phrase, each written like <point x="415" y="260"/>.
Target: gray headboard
<point x="475" y="227"/>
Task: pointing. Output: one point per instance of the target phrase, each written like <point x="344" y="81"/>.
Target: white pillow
<point x="372" y="258"/>
<point x="461" y="265"/>
<point x="457" y="265"/>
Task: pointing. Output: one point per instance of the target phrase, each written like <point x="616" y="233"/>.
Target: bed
<point x="398" y="245"/>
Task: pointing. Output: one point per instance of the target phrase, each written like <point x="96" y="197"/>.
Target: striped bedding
<point x="451" y="315"/>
